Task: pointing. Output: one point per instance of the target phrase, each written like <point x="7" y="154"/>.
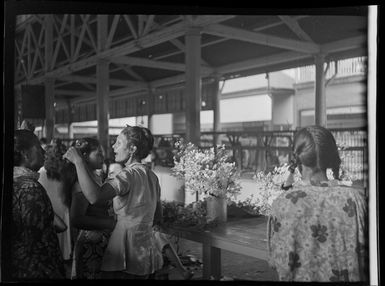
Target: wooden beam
<point x="193" y="85"/>
<point x="81" y="37"/>
<point x="262" y="62"/>
<point x="261" y="39"/>
<point x="49" y="83"/>
<point x="92" y="80"/>
<point x="225" y="39"/>
<point x="345" y="44"/>
<point x="296" y="28"/>
<point x="59" y="40"/>
<point x="91" y="36"/>
<point x="111" y="34"/>
<point x="127" y="69"/>
<point x="149" y="22"/>
<point x="102" y="86"/>
<point x="149" y="40"/>
<point x="130" y="26"/>
<point x="75" y="93"/>
<point x="216" y="110"/>
<point x="320" y="96"/>
<point x="134" y="61"/>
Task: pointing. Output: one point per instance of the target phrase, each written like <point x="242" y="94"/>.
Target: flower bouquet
<point x="209" y="173"/>
<point x="206" y="172"/>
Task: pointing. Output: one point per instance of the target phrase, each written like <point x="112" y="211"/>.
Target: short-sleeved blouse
<point x="35" y="246"/>
<point x="132" y="247"/>
<point x="319" y="233"/>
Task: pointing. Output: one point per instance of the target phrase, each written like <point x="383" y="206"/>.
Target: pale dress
<point x="54" y="190"/>
<point x="132" y="247"/>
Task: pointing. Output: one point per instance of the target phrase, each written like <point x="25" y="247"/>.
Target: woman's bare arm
<point x="90" y="188"/>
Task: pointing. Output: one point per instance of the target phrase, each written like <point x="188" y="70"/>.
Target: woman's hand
<point x="73" y="155"/>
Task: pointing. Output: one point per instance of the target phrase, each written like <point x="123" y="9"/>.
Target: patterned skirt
<point x="88" y="254"/>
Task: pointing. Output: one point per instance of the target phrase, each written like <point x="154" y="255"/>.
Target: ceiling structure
<point x="147" y="52"/>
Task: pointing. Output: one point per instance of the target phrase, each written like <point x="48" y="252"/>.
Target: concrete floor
<point x="234" y="266"/>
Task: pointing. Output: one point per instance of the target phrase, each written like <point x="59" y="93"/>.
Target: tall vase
<point x="216" y="209"/>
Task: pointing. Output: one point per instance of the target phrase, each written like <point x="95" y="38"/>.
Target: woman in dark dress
<point x="35" y="252"/>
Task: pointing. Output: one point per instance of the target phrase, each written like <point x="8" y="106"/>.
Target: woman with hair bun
<point x="317" y="230"/>
<point x="35" y="251"/>
<point x="51" y="179"/>
<point x="131" y="252"/>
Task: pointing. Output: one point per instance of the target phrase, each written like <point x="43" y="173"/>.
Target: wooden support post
<point x="70" y="119"/>
<point x="18" y="107"/>
<point x="211" y="261"/>
<point x="216" y="110"/>
<point x="102" y="113"/>
<point x="102" y="87"/>
<point x="193" y="84"/>
<point x="150" y="102"/>
<point x="320" y="96"/>
<point x="49" y="82"/>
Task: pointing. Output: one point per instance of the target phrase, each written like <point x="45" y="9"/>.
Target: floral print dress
<point x="319" y="233"/>
<point x="90" y="244"/>
<point x="35" y="247"/>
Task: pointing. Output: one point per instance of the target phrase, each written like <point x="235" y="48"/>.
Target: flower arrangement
<point x="269" y="187"/>
<point x="208" y="172"/>
<point x="192" y="215"/>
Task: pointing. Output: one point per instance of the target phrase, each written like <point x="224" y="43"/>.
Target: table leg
<point x="211" y="262"/>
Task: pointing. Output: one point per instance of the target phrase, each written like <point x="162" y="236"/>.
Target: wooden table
<point x="245" y="236"/>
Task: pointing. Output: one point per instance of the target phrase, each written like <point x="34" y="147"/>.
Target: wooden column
<point x="102" y="113"/>
<point x="216" y="109"/>
<point x="320" y="96"/>
<point x="49" y="82"/>
<point x="193" y="84"/>
<point x="150" y="102"/>
<point x="70" y="119"/>
<point x="211" y="261"/>
<point x="102" y="86"/>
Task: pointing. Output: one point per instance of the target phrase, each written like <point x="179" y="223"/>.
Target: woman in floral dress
<point x="94" y="223"/>
<point x="35" y="252"/>
<point x="317" y="230"/>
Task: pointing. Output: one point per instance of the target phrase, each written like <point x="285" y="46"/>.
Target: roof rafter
<point x="296" y="28"/>
<point x="92" y="80"/>
<point x="261" y="39"/>
<point x="143" y="62"/>
<point x="149" y="40"/>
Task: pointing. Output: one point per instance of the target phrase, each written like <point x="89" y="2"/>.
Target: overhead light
<point x="203" y="103"/>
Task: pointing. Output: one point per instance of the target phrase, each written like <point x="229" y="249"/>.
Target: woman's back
<point x="35" y="248"/>
<point x="132" y="246"/>
<point x="319" y="233"/>
<point x="56" y="194"/>
<point x="137" y="189"/>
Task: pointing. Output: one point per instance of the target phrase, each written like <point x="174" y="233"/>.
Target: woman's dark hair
<point x="54" y="162"/>
<point x="69" y="176"/>
<point x="24" y="140"/>
<point x="140" y="137"/>
<point x="315" y="147"/>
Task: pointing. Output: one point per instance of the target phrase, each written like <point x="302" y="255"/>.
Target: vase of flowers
<point x="216" y="209"/>
<point x="211" y="174"/>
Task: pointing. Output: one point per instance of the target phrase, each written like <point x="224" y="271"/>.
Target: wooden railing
<point x="263" y="150"/>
